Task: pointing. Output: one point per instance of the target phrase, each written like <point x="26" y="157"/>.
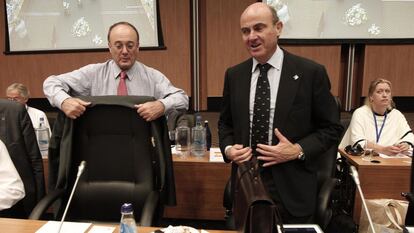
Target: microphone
<point x="355" y="176"/>
<point x="80" y="171"/>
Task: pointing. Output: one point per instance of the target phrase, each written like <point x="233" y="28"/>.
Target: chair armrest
<point x="409" y="197"/>
<point x="323" y="212"/>
<point x="227" y="200"/>
<point x="44" y="204"/>
<point x="148" y="210"/>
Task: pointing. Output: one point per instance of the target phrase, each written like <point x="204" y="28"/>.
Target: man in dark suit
<point x="17" y="133"/>
<point x="302" y="119"/>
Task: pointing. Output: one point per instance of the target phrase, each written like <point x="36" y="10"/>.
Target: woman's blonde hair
<point x="371" y="90"/>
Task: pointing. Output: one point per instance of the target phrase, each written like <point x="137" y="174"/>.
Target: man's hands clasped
<point x="282" y="152"/>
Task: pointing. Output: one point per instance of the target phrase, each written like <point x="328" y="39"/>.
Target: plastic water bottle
<point x="43" y="137"/>
<point x="198" y="135"/>
<point x="127" y="224"/>
<point x="208" y="135"/>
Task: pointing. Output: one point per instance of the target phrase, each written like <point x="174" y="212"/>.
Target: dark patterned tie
<point x="261" y="112"/>
<point x="122" y="88"/>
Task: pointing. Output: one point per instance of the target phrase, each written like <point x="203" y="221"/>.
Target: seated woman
<point x="383" y="127"/>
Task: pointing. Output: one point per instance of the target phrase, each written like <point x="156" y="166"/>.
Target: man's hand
<point x="238" y="154"/>
<point x="74" y="107"/>
<point x="282" y="152"/>
<point x="150" y="110"/>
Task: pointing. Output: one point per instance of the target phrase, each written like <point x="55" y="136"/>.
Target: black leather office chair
<point x="409" y="218"/>
<point x="127" y="160"/>
<point x="17" y="133"/>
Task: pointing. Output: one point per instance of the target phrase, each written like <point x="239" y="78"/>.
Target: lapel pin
<point x="295" y="77"/>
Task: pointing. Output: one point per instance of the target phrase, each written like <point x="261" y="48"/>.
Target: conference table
<point x="386" y="179"/>
<point x="199" y="187"/>
<point x="10" y="225"/>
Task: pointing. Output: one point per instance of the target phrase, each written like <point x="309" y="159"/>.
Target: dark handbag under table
<point x="254" y="210"/>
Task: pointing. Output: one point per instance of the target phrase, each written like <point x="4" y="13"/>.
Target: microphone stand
<point x="354" y="174"/>
<point x="80" y="171"/>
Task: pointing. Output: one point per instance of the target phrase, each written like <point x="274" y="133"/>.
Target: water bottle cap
<point x="126" y="208"/>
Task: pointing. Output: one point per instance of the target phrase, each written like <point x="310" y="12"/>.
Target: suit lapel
<point x="244" y="80"/>
<point x="287" y="91"/>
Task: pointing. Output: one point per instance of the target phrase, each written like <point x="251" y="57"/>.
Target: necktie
<point x="261" y="111"/>
<point x="122" y="88"/>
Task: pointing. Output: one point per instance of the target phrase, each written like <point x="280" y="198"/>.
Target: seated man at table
<point x="20" y="93"/>
<point x="11" y="185"/>
<point x="379" y="125"/>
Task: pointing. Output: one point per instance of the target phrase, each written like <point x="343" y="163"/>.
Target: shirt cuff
<point x="59" y="98"/>
<point x="226" y="149"/>
<point x="167" y="105"/>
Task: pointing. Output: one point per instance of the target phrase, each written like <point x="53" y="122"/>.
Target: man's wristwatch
<point x="301" y="156"/>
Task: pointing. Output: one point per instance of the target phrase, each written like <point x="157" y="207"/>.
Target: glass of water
<point x="368" y="153"/>
<point x="182" y="140"/>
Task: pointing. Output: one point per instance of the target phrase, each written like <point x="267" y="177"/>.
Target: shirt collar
<point x="275" y="61"/>
<point x="117" y="71"/>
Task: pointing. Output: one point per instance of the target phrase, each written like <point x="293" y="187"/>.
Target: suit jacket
<point x="18" y="135"/>
<point x="305" y="113"/>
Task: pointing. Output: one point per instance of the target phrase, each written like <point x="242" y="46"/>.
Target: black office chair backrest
<point x="409" y="218"/>
<point x="126" y="159"/>
<point x="116" y="145"/>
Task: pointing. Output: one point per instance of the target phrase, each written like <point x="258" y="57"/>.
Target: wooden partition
<point x="221" y="44"/>
<point x="392" y="62"/>
<point x="174" y="62"/>
<point x="327" y="55"/>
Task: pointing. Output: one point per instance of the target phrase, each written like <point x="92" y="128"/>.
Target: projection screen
<point x="39" y="25"/>
<point x="346" y="19"/>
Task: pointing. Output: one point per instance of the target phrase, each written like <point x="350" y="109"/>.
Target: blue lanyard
<point x="376" y="126"/>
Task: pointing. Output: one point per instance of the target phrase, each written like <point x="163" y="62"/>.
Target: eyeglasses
<point x="129" y="46"/>
<point x="17" y="99"/>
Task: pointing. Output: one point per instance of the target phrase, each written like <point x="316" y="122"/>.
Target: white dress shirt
<point x="273" y="75"/>
<point x="11" y="185"/>
<point x="103" y="79"/>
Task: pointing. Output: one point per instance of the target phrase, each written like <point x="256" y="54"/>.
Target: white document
<point x="173" y="150"/>
<point x="68" y="227"/>
<point x="101" y="229"/>
<point x="215" y="155"/>
<point x="398" y="156"/>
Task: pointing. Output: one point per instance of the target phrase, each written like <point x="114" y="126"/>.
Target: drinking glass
<point x="182" y="140"/>
<point x="367" y="155"/>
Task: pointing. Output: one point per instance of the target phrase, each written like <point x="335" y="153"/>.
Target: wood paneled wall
<point x="327" y="55"/>
<point x="174" y="62"/>
<point x="220" y="47"/>
<point x="221" y="43"/>
<point x="392" y="62"/>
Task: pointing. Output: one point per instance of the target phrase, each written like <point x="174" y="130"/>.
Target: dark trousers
<point x="287" y="218"/>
